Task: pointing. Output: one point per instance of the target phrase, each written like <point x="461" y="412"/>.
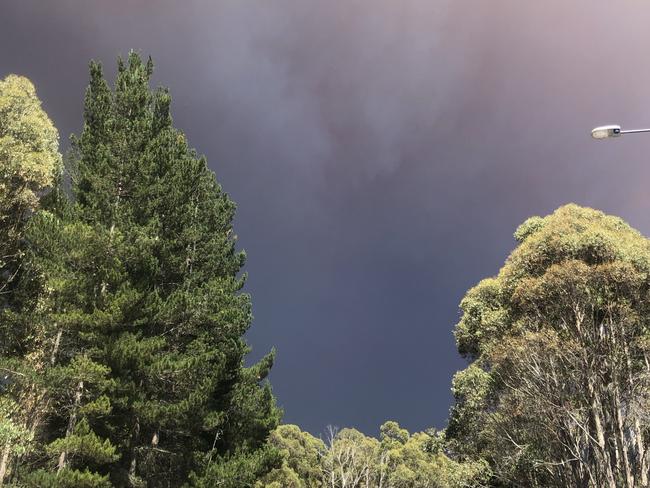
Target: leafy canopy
<point x="558" y="344"/>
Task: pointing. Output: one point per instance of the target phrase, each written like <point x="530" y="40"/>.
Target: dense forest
<point x="123" y="314"/>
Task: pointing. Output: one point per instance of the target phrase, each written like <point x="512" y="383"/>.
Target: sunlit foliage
<point x="558" y="386"/>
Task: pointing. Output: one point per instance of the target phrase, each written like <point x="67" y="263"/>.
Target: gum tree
<point x="557" y="390"/>
<point x="29" y="164"/>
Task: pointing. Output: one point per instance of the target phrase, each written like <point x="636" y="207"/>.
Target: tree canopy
<point x="29" y="150"/>
<point x="29" y="165"/>
<point x="557" y="388"/>
<point x="133" y="313"/>
<point x="350" y="459"/>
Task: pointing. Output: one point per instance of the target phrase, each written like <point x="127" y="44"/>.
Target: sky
<point x="381" y="154"/>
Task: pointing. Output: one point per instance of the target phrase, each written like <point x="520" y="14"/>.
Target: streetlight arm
<point x="634" y="131"/>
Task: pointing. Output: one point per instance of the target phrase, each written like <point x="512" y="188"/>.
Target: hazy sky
<point x="381" y="154"/>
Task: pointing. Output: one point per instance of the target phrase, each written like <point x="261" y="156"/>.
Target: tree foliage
<point x="133" y="315"/>
<point x="29" y="154"/>
<point x="557" y="390"/>
<point x="349" y="459"/>
<point x="301" y="459"/>
<point x="29" y="164"/>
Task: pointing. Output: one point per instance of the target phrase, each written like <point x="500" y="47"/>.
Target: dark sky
<point x="381" y="154"/>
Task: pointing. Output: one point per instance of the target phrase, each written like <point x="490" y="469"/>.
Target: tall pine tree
<point x="174" y="315"/>
<point x="64" y="265"/>
<point x="142" y="310"/>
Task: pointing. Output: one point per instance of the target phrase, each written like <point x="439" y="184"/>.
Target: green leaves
<point x="240" y="470"/>
<point x="29" y="149"/>
<point x="166" y="297"/>
<point x="66" y="478"/>
<point x="12" y="433"/>
<point x="126" y="341"/>
<point x="557" y="340"/>
<point x="29" y="165"/>
<point x="84" y="445"/>
<point x="352" y="459"/>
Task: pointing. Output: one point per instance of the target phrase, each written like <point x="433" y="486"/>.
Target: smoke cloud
<point x="381" y="154"/>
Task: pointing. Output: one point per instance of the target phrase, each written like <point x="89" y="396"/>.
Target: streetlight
<point x="609" y="131"/>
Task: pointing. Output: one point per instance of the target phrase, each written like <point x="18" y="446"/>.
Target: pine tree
<point x="166" y="305"/>
<point x="129" y="367"/>
<point x="65" y="389"/>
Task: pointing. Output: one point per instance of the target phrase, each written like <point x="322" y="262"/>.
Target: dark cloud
<point x="381" y="154"/>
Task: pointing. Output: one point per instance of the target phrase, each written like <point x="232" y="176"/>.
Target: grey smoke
<point x="381" y="154"/>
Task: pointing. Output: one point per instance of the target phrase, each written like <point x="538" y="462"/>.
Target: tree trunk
<point x="641" y="464"/>
<point x="4" y="462"/>
<point x="71" y="424"/>
<point x="642" y="461"/>
<point x="55" y="349"/>
<point x="600" y="436"/>
<point x="133" y="465"/>
<point x="629" y="478"/>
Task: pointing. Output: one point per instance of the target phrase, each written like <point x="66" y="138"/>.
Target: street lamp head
<point x="606" y="131"/>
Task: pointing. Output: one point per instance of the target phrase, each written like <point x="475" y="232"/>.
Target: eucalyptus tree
<point x="29" y="164"/>
<point x="350" y="459"/>
<point x="301" y="455"/>
<point x="557" y="390"/>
